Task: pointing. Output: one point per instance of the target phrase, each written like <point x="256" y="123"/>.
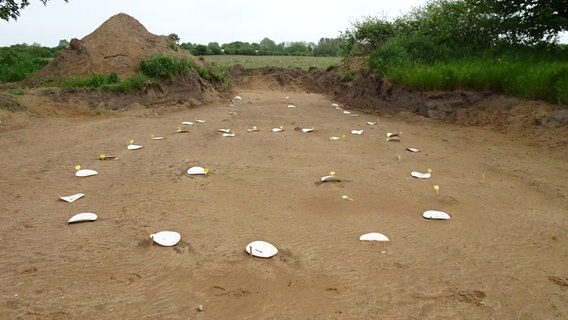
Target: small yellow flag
<point x="102" y="156"/>
<point x="332" y="173"/>
<point x="437" y="188"/>
<point x="206" y="170"/>
<point x="429" y="170"/>
<point x="77" y="167"/>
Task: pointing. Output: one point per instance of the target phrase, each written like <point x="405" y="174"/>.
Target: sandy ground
<point x="503" y="255"/>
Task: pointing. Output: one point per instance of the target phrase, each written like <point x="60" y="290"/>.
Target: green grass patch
<point x="163" y="67"/>
<point x="288" y="62"/>
<point x="537" y="79"/>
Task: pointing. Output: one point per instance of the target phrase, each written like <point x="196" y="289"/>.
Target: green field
<point x="252" y="62"/>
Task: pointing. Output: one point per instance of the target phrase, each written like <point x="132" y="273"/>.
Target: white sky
<point x="199" y="21"/>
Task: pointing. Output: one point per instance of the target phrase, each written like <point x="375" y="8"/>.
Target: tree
<point x="367" y="34"/>
<point x="526" y="21"/>
<point x="10" y="9"/>
<point x="267" y="47"/>
<point x="214" y="48"/>
<point x="63" y="44"/>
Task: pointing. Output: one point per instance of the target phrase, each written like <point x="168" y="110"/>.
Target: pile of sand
<point x="118" y="45"/>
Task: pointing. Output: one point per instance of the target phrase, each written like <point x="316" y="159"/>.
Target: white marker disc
<point x="224" y="130"/>
<point x="371" y="123"/>
<point x="395" y="138"/>
<point x="338" y="108"/>
<point x="436" y="215"/>
<point x="166" y="238"/>
<point x="357" y="132"/>
<point x="420" y="175"/>
<point x="187" y="123"/>
<point x="252" y="130"/>
<point x="329" y="179"/>
<point x="373" y="236"/>
<point x="306" y="130"/>
<point x="196" y="171"/>
<point x="134" y="147"/>
<point x="392" y="134"/>
<point x="413" y="150"/>
<point x="334" y="138"/>
<point x="83" y="217"/>
<point x="72" y="198"/>
<point x="232" y="113"/>
<point x="158" y="138"/>
<point x="286" y="98"/>
<point x="261" y="249"/>
<point x="238" y="98"/>
<point x="354" y="115"/>
<point x="346" y="112"/>
<point x="277" y="129"/>
<point x="200" y="121"/>
<point x="291" y="106"/>
<point x="85" y="173"/>
<point x="232" y="134"/>
<point x="335" y="105"/>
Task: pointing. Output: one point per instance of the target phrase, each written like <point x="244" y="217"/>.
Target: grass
<point x="289" y="62"/>
<point x="537" y="79"/>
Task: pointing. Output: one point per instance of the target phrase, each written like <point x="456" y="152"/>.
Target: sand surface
<point x="503" y="254"/>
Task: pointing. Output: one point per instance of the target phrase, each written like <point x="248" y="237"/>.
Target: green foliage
<point x="163" y="67"/>
<point x="19" y="61"/>
<point x="110" y="82"/>
<point x="366" y="35"/>
<point x="10" y="9"/>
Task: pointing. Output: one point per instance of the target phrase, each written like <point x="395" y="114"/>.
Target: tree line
<point x="326" y="47"/>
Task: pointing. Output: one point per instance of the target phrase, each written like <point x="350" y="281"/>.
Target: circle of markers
<point x="260" y="249"/>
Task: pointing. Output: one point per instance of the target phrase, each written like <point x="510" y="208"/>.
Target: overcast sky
<point x="199" y="21"/>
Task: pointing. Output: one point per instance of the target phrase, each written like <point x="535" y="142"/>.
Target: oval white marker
<point x="306" y="130"/>
<point x="291" y="106"/>
<point x="393" y="139"/>
<point x="166" y="238"/>
<point x="237" y="98"/>
<point x="436" y="215"/>
<point x="277" y="129"/>
<point x="286" y="98"/>
<point x="197" y="171"/>
<point x="334" y="138"/>
<point x="335" y="105"/>
<point x="86" y="173"/>
<point x="232" y="113"/>
<point x="354" y="115"/>
<point x="330" y="179"/>
<point x="72" y="198"/>
<point x="253" y="129"/>
<point x="413" y="150"/>
<point x="228" y="135"/>
<point x="224" y="130"/>
<point x="83" y="217"/>
<point x="392" y="134"/>
<point x="187" y="123"/>
<point x="158" y="138"/>
<point x="373" y="236"/>
<point x="357" y="132"/>
<point x="346" y="112"/>
<point x="420" y="175"/>
<point x="200" y="121"/>
<point x="371" y="123"/>
<point x="261" y="249"/>
<point x="134" y="147"/>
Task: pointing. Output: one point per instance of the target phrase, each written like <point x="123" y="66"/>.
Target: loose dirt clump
<point x="118" y="46"/>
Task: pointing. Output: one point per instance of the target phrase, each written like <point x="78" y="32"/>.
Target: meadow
<point x="290" y="62"/>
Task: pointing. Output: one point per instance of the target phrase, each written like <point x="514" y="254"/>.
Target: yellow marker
<point x="332" y="173"/>
<point x="437" y="188"/>
<point x="131" y="141"/>
<point x="429" y="170"/>
<point x="399" y="157"/>
<point x="343" y="136"/>
<point x="281" y="127"/>
<point x="206" y="170"/>
<point x="77" y="167"/>
<point x="254" y="127"/>
<point x="347" y="198"/>
<point x="483" y="177"/>
<point x="400" y="133"/>
<point x="152" y="136"/>
<point x="102" y="156"/>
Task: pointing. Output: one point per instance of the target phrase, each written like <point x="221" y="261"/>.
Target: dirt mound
<point x="118" y="45"/>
